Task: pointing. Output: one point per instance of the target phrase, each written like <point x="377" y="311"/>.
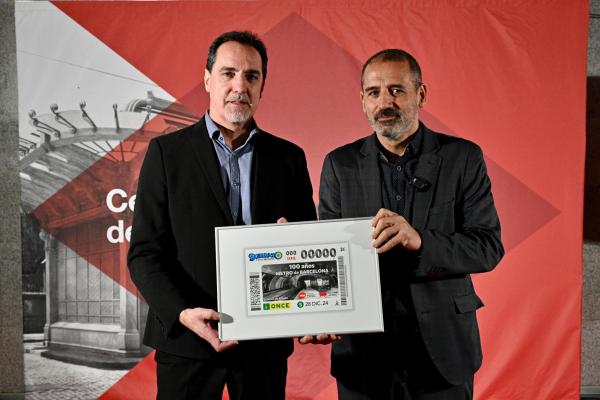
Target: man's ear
<point x="206" y="80"/>
<point x="362" y="101"/>
<point x="422" y="95"/>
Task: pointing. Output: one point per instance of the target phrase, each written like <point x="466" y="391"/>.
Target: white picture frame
<point x="296" y="279"/>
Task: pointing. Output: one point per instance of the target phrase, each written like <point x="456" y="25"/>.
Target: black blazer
<point x="451" y="206"/>
<point x="180" y="200"/>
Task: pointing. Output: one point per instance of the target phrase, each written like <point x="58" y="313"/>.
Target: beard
<point x="239" y="114"/>
<point x="394" y="128"/>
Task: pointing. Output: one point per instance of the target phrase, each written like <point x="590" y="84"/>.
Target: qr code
<point x="254" y="292"/>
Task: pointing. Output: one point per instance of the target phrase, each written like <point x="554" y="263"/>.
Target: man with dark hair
<point x="221" y="171"/>
<point x="435" y="223"/>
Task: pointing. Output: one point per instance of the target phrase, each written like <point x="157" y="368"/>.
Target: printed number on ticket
<point x="298" y="279"/>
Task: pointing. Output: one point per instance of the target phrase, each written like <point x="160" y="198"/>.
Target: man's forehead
<point x="387" y="67"/>
<point x="233" y="54"/>
<point x="386" y="73"/>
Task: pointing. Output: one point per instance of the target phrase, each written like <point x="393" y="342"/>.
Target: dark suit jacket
<point x="180" y="200"/>
<point x="454" y="212"/>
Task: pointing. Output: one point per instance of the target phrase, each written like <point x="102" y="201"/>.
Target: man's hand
<point x="198" y="321"/>
<point x="391" y="230"/>
<point x="323" y="338"/>
<point x="282" y="220"/>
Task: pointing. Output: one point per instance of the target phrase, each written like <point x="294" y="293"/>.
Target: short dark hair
<point x="243" y="37"/>
<point x="399" y="56"/>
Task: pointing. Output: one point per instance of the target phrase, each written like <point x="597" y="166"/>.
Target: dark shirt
<point x="394" y="179"/>
<point x="396" y="265"/>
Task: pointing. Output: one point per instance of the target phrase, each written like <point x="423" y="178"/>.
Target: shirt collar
<point x="215" y="133"/>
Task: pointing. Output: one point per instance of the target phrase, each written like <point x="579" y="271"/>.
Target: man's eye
<point x="396" y="91"/>
<point x="372" y="94"/>
<point x="252" y="78"/>
<point x="228" y="74"/>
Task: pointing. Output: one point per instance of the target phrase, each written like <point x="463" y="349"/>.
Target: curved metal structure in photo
<point x="93" y="315"/>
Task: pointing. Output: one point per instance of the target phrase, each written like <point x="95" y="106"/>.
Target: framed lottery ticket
<point x="295" y="279"/>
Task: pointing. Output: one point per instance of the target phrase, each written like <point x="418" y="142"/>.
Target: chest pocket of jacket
<point x="441" y="217"/>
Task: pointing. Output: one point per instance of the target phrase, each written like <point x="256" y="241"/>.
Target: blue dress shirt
<point x="234" y="166"/>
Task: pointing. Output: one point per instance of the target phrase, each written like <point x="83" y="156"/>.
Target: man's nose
<point x="239" y="84"/>
<point x="385" y="99"/>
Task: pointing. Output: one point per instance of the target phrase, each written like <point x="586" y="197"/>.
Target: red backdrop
<point x="508" y="75"/>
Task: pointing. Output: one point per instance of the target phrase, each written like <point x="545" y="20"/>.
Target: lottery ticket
<point x="298" y="279"/>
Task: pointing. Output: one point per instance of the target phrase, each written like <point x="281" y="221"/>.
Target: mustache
<point x="387" y="112"/>
<point x="238" y="97"/>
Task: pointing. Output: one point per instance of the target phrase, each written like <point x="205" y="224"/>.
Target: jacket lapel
<point x="261" y="174"/>
<point x="207" y="158"/>
<point x="426" y="171"/>
<point x="257" y="172"/>
<point x="369" y="176"/>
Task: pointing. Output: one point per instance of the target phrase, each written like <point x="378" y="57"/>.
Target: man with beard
<point x="221" y="171"/>
<point x="435" y="223"/>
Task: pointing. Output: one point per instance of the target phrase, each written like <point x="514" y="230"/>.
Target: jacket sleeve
<point x="304" y="206"/>
<point x="475" y="245"/>
<point x="329" y="192"/>
<point x="152" y="252"/>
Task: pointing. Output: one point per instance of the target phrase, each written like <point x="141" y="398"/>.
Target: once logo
<point x="277" y="306"/>
<point x="300" y="304"/>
